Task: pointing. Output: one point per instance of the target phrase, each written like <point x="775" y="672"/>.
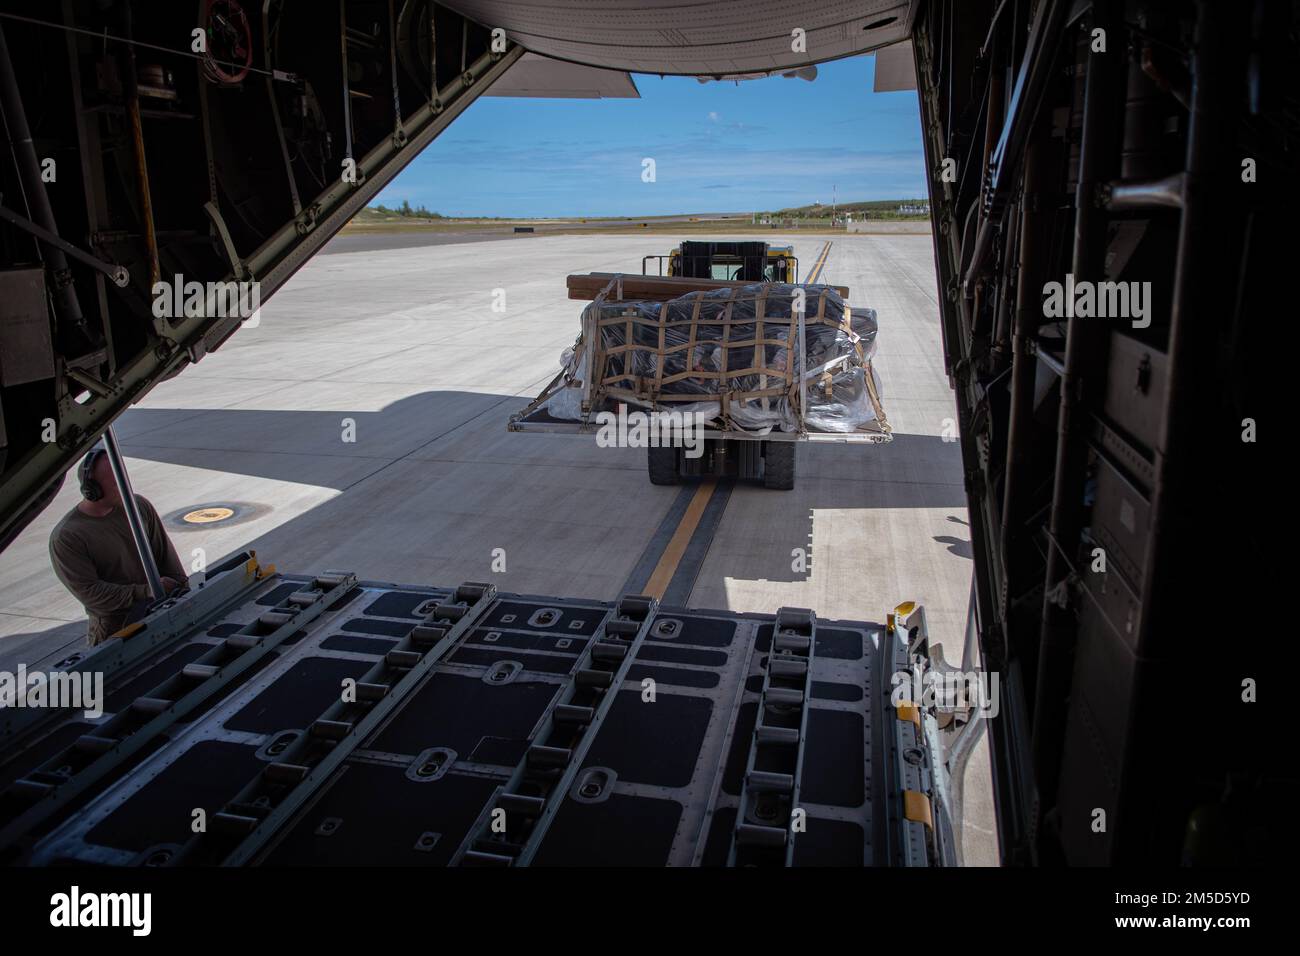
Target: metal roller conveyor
<point x="515" y="821"/>
<point x="380" y="733"/>
<point x="777" y="741"/>
<point x="163" y="627"/>
<point x="282" y="787"/>
<point x="75" y="769"/>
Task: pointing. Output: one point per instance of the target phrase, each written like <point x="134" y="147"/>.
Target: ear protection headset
<point x="90" y="488"/>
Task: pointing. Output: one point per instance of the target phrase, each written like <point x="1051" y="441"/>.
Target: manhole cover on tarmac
<point x="207" y="515"/>
<point x="213" y="515"/>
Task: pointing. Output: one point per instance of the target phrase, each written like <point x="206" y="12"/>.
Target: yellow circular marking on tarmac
<point x="208" y="515"/>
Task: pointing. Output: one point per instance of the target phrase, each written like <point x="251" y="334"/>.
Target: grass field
<point x="674" y="225"/>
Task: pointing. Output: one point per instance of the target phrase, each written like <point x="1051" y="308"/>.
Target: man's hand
<point x="170" y="585"/>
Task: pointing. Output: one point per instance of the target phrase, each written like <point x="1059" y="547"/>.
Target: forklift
<point x="729" y="261"/>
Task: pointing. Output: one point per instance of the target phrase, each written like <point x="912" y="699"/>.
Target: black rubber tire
<point x="778" y="465"/>
<point x="662" y="463"/>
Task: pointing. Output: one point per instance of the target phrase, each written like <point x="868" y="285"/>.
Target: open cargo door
<point x="221" y="172"/>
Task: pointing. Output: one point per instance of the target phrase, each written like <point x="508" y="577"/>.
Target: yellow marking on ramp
<point x="819" y="264"/>
<point x="672" y="556"/>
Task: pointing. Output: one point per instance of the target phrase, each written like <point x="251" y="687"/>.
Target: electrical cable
<point x="105" y="35"/>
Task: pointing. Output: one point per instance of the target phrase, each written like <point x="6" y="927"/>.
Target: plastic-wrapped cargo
<point x="731" y="354"/>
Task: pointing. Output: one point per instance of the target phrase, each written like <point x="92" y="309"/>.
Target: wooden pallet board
<point x="587" y="286"/>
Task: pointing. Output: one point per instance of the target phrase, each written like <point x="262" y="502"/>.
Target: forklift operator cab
<point x="734" y="261"/>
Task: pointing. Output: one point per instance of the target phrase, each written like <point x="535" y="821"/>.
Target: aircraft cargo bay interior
<point x="475" y="433"/>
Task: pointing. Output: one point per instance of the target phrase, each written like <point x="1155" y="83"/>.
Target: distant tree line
<point x="405" y="209"/>
<point x="870" y="209"/>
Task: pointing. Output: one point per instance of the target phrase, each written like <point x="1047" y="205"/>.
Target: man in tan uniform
<point x="95" y="556"/>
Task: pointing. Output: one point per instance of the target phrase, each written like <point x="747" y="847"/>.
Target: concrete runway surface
<point x="405" y="345"/>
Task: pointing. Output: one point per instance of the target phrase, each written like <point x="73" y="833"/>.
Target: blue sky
<point x="718" y="147"/>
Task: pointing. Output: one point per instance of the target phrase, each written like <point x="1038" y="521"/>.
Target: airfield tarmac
<point x="400" y="350"/>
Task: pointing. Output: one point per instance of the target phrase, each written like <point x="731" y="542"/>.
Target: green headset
<point x="91" y="489"/>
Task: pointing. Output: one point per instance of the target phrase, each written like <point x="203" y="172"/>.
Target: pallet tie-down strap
<point x="820" y="319"/>
<point x="724" y="383"/>
<point x="636" y="397"/>
<point x="781" y="732"/>
<point x="514" y="822"/>
<point x="659" y="359"/>
<point x="627" y="339"/>
<point x="89" y="759"/>
<point x="599" y="359"/>
<point x="238" y="832"/>
<point x="690" y="340"/>
<point x="846" y="323"/>
<point x="791" y="375"/>
<point x="916" y="808"/>
<point x="870" y="381"/>
<point x="760" y="351"/>
<point x="715" y="376"/>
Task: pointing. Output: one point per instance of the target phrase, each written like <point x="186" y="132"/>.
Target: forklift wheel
<point x="663" y="465"/>
<point x="778" y="465"/>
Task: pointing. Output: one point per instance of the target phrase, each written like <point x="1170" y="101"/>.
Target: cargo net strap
<point x="734" y="351"/>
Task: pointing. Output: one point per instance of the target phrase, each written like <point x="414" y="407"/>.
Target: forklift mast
<point x="742" y="261"/>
